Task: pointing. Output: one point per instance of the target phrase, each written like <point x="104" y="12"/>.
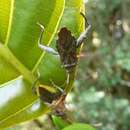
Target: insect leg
<point x="83" y="35"/>
<point x="43" y="47"/>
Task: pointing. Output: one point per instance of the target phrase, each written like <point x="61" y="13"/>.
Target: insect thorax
<point x="66" y="47"/>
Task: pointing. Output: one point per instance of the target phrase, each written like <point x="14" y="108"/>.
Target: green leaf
<point x="79" y="126"/>
<point x="17" y="102"/>
<point x="25" y="30"/>
<point x="75" y="23"/>
<point x="4" y="18"/>
<point x="59" y="123"/>
<point x="20" y="57"/>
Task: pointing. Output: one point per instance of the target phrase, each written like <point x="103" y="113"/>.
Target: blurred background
<point x="102" y="89"/>
<point x="101" y="94"/>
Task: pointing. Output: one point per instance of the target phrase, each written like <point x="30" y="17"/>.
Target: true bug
<point x="66" y="46"/>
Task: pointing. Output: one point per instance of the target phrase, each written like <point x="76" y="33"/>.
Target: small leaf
<point x="59" y="123"/>
<point x="79" y="126"/>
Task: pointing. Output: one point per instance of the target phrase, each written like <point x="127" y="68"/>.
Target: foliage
<point x="102" y="90"/>
<point x="20" y="57"/>
<point x="17" y="102"/>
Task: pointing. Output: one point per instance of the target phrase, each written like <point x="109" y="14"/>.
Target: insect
<point x="66" y="46"/>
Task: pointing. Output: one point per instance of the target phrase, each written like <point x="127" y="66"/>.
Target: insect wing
<point x="66" y="47"/>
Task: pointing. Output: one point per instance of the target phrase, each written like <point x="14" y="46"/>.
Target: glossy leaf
<point x="20" y="57"/>
<point x="16" y="97"/>
<point x="75" y="23"/>
<point x="19" y="103"/>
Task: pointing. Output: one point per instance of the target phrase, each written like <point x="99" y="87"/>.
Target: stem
<point x="69" y="86"/>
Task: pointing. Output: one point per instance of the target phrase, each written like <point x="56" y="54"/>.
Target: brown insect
<point x="54" y="100"/>
<point x="66" y="46"/>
